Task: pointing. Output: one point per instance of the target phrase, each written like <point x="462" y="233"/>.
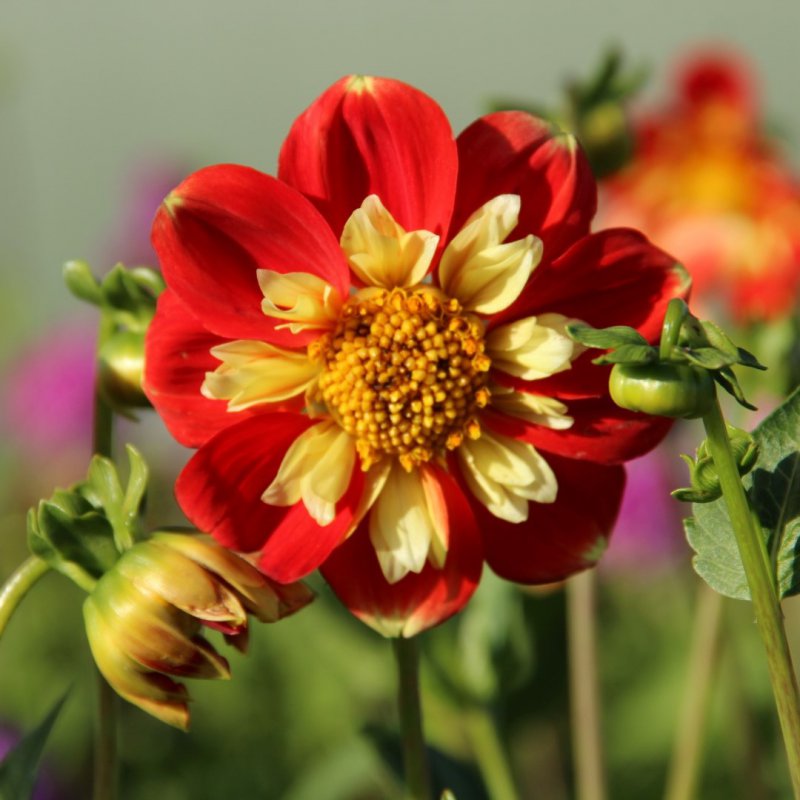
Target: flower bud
<point x="145" y="617"/>
<point x="120" y="365"/>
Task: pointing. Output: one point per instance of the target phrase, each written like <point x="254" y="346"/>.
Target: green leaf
<point x="773" y="488"/>
<point x="605" y="338"/>
<point x="18" y="771"/>
<point x="80" y="281"/>
<point x="137" y="483"/>
<point x="708" y="357"/>
<point x="726" y="378"/>
<point x="102" y="487"/>
<point x="720" y="340"/>
<point x="629" y="354"/>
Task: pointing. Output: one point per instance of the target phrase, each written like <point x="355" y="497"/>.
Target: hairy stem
<point x="18" y="585"/>
<point x="415" y="757"/>
<point x="763" y="592"/>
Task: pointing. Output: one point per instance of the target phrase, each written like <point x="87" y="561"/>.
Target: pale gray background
<point x="88" y="88"/>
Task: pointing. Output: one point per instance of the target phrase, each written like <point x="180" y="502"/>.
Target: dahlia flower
<point x="370" y="353"/>
<point x="707" y="183"/>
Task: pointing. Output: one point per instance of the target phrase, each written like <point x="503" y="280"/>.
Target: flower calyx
<point x="675" y="378"/>
<point x="127" y="302"/>
<point x="705" y="486"/>
<point x="82" y="531"/>
<point x="146" y="616"/>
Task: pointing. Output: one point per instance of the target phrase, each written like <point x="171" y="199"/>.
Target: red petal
<point x="602" y="432"/>
<point x="418" y="601"/>
<point x="374" y="136"/>
<point x="226" y="222"/>
<point x="511" y="152"/>
<point x="298" y="545"/>
<point x="177" y="359"/>
<point x="560" y="538"/>
<point x="614" y="277"/>
<point x="721" y="76"/>
<point x="220" y="488"/>
<point x="220" y="491"/>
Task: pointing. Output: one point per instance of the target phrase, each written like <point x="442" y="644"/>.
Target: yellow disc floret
<point x="404" y="373"/>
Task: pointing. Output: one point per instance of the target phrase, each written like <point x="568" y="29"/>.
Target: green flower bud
<point x="121" y="365"/>
<point x="662" y="389"/>
<point x="145" y="617"/>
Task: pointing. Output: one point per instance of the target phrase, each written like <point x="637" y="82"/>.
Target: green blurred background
<point x="97" y="96"/>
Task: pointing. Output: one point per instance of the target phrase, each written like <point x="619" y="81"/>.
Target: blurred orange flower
<point x="709" y="185"/>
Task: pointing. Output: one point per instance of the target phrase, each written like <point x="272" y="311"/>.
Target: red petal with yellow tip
<point x="220" y="491"/>
<point x="379" y="136"/>
<point x="558" y="538"/>
<point x="220" y="226"/>
<point x="177" y="360"/>
<point x="417" y="601"/>
<point x="511" y="152"/>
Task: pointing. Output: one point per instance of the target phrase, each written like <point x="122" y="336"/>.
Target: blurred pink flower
<point x="649" y="533"/>
<point x="47" y="404"/>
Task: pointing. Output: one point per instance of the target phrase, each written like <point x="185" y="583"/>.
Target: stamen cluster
<point x="405" y="372"/>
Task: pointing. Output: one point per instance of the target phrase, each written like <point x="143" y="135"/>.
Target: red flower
<point x="707" y="184"/>
<point x="369" y="353"/>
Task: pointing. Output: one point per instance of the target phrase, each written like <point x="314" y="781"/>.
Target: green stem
<point x="490" y="754"/>
<point x="587" y="744"/>
<point x="763" y="592"/>
<point x="18" y="585"/>
<point x="687" y="749"/>
<point x="415" y="757"/>
<point x="105" y="742"/>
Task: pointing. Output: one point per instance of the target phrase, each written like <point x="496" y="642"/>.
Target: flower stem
<point x="687" y="749"/>
<point x="105" y="742"/>
<point x="587" y="745"/>
<point x="18" y="585"/>
<point x="763" y="591"/>
<point x="490" y="754"/>
<point x="415" y="757"/>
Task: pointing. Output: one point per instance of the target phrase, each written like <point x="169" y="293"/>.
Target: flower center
<point x="404" y="373"/>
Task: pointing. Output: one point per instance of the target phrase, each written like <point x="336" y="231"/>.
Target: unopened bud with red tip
<point x="145" y="617"/>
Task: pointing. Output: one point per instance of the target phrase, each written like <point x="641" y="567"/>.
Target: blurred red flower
<point x="370" y="353"/>
<point x="708" y="184"/>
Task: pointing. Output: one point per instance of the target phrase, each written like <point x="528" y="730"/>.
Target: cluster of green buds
<point x="675" y="379"/>
<point x="127" y="302"/>
<point x="151" y="596"/>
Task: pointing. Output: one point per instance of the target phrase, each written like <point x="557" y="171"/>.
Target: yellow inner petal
<point x="504" y="474"/>
<point x="536" y="408"/>
<point x="404" y="524"/>
<point x="306" y="301"/>
<point x="533" y="347"/>
<point x="382" y="253"/>
<point x="256" y="372"/>
<point x="316" y="469"/>
<point x="478" y="269"/>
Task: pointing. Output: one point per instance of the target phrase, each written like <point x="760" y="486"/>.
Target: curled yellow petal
<point x="478" y="269"/>
<point x="256" y="372"/>
<point x="504" y="474"/>
<point x="533" y="347"/>
<point x="536" y="408"/>
<point x="382" y="253"/>
<point x="316" y="469"/>
<point x="305" y="300"/>
<point x="405" y="522"/>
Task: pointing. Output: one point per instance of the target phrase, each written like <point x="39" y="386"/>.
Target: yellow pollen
<point x="404" y="373"/>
